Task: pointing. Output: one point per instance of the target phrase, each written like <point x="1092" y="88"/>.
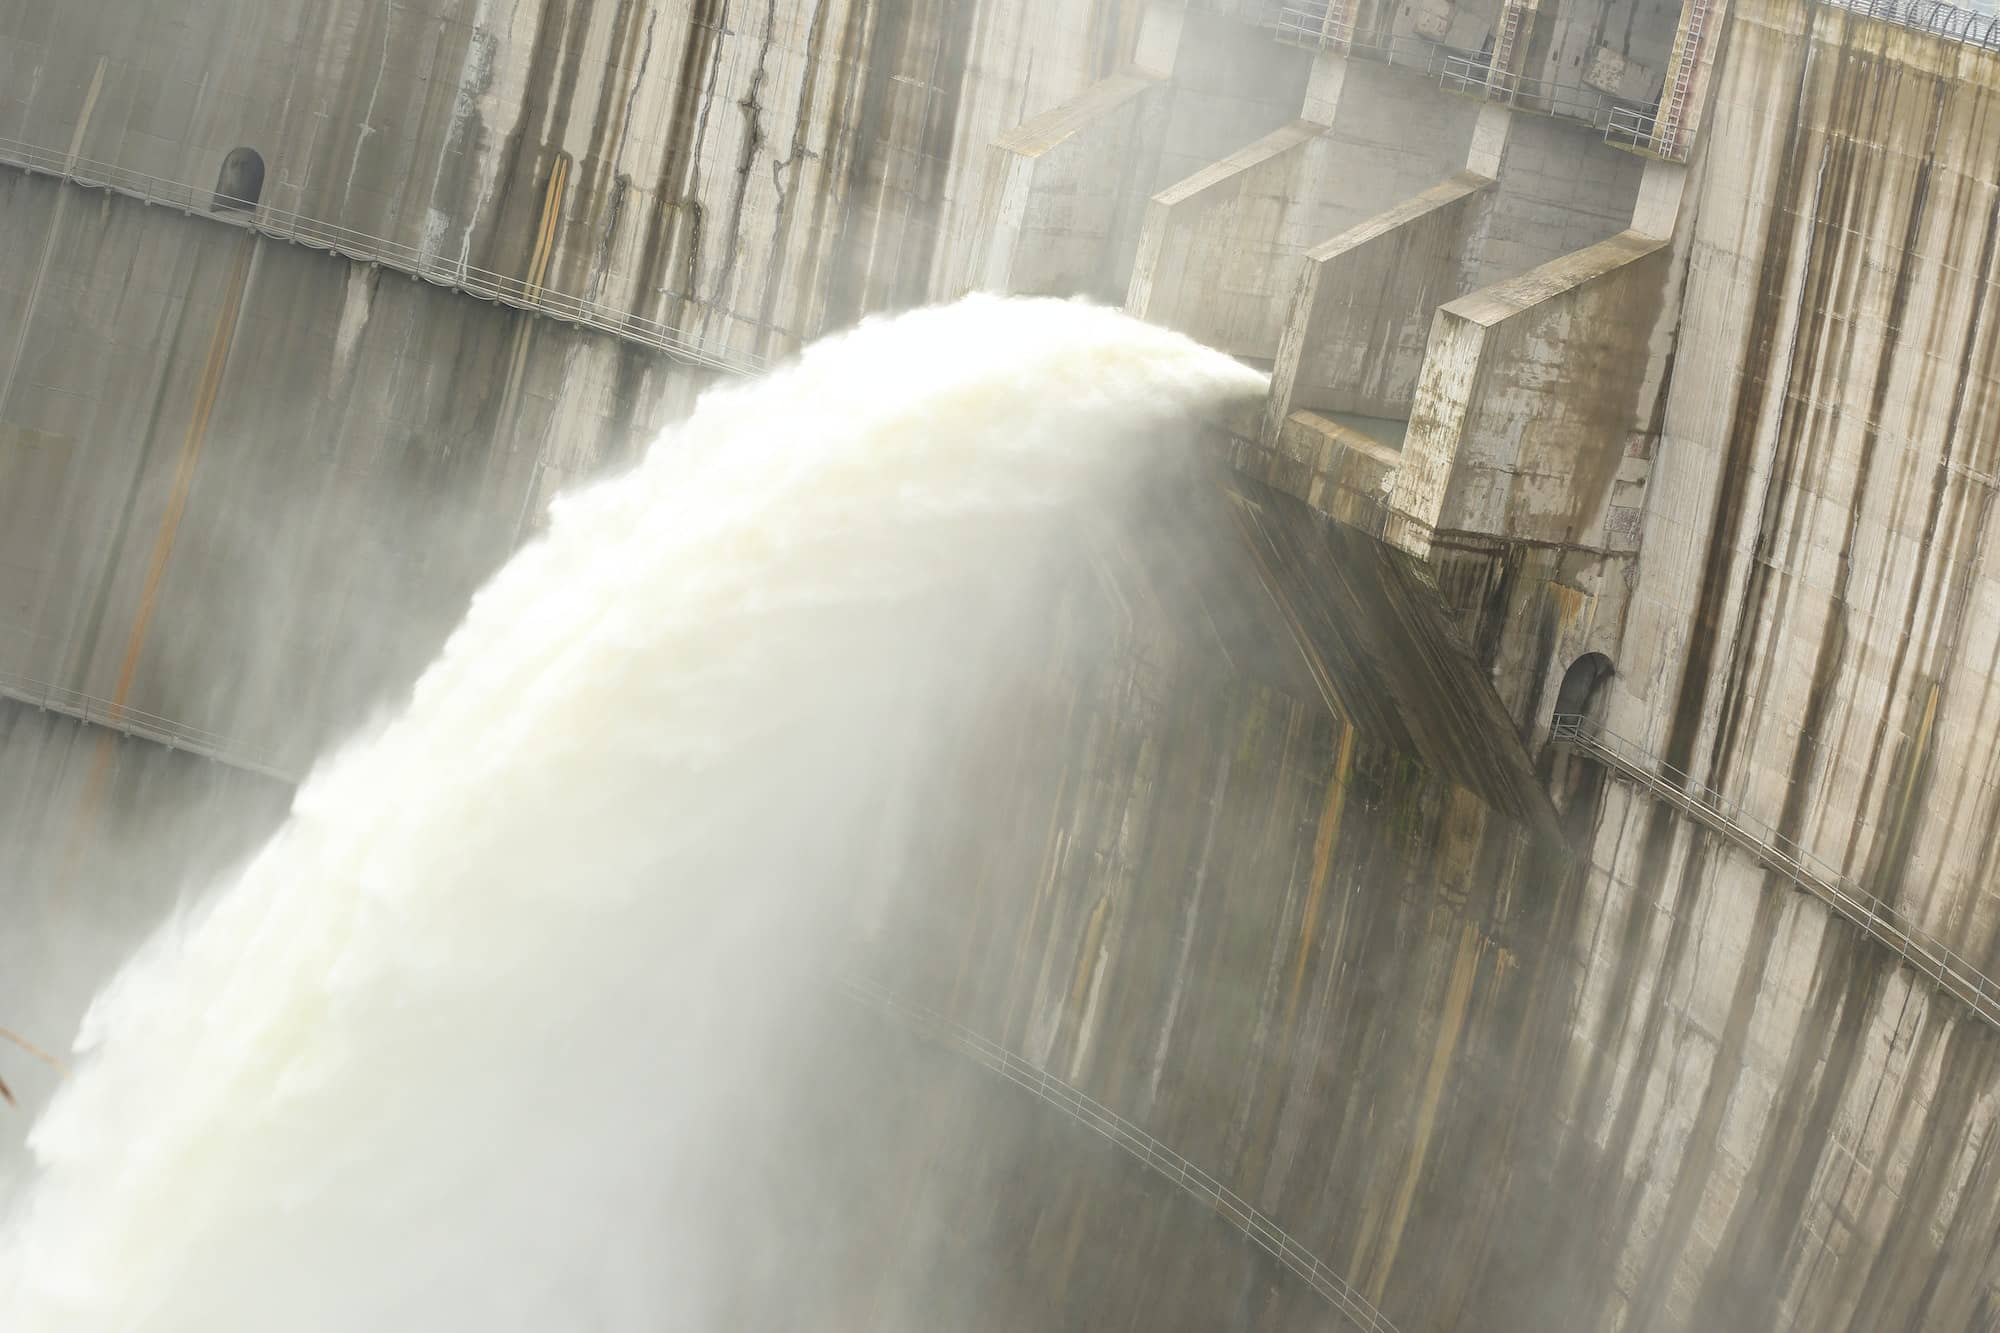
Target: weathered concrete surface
<point x="1265" y="873"/>
<point x="1218" y="245"/>
<point x="200" y="423"/>
<point x="1620" y="48"/>
<point x="1229" y="87"/>
<point x="1558" y="189"/>
<point x="1677" y="116"/>
<point x="1715" y="1108"/>
<point x="1532" y="393"/>
<point x="1221" y="250"/>
<point x="752" y="173"/>
<point x="956" y="1199"/>
<point x="100" y="838"/>
<point x="1362" y="311"/>
<point x="1523" y="475"/>
<point x="1802" y="1130"/>
<point x="1064" y="193"/>
<point x="1340" y="471"/>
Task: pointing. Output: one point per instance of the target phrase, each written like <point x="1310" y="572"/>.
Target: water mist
<point x="465" y="1044"/>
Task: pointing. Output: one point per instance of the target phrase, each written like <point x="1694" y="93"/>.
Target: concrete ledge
<point x="1222" y="248"/>
<point x="1559" y="277"/>
<point x="1204" y="264"/>
<point x="1340" y="471"/>
<point x="1531" y="394"/>
<point x="1355" y="337"/>
<point x="1039" y="134"/>
<point x="1061" y="194"/>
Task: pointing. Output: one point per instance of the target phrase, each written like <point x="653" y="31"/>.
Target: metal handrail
<point x="140" y="724"/>
<point x="1232" y="1207"/>
<point x="415" y="261"/>
<point x="1313" y="27"/>
<point x="1927" y="954"/>
<point x="1475" y="76"/>
<point x="1632" y="127"/>
<point x="1931" y="16"/>
<point x="1469" y="72"/>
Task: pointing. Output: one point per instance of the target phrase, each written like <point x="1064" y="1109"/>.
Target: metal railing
<point x="1475" y="76"/>
<point x="1639" y="129"/>
<point x="1239" y="1213"/>
<point x="1316" y="27"/>
<point x="1931" y="16"/>
<point x="140" y="724"/>
<point x="1929" y="956"/>
<point x="414" y="261"/>
<point x="1658" y="131"/>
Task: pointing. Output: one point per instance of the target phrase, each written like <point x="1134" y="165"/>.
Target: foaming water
<point x="462" y="1047"/>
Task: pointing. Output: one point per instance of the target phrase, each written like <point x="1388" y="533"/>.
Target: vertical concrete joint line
<point x="163" y="546"/>
<point x="49" y="241"/>
<point x="545" y="232"/>
<point x="192" y="441"/>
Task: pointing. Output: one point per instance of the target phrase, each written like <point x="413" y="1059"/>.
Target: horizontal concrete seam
<point x="1487" y="543"/>
<point x="411" y="261"/>
<point x="1261" y="1230"/>
<point x="1039" y="134"/>
<point x="1267" y="149"/>
<point x="139" y="725"/>
<point x="1435" y="200"/>
<point x="1560" y="276"/>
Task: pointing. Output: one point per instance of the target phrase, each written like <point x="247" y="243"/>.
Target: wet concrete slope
<point x="247" y="486"/>
<point x="1251" y="855"/>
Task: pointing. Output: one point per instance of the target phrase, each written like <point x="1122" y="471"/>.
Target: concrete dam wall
<point x="1631" y="363"/>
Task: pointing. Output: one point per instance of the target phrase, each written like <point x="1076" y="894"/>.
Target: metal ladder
<point x="1673" y="113"/>
<point x="1500" y="72"/>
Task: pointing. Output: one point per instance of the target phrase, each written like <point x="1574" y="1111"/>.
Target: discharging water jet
<point x="454" y="1050"/>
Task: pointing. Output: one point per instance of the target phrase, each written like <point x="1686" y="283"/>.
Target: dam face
<point x="1550" y="882"/>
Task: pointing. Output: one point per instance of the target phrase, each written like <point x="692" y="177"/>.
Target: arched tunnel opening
<point x="240" y="182"/>
<point x="1582" y="688"/>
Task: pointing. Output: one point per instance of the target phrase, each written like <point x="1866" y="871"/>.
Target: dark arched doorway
<point x="1582" y="685"/>
<point x="240" y="183"/>
<point x="1575" y="781"/>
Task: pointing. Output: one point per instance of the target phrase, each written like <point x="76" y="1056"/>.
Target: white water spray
<point x="458" y="1048"/>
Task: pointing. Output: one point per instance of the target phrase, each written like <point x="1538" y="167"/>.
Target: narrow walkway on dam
<point x="1329" y="25"/>
<point x="1230" y="1206"/>
<point x="414" y="262"/>
<point x="1656" y="130"/>
<point x="140" y="725"/>
<point x="1929" y="956"/>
